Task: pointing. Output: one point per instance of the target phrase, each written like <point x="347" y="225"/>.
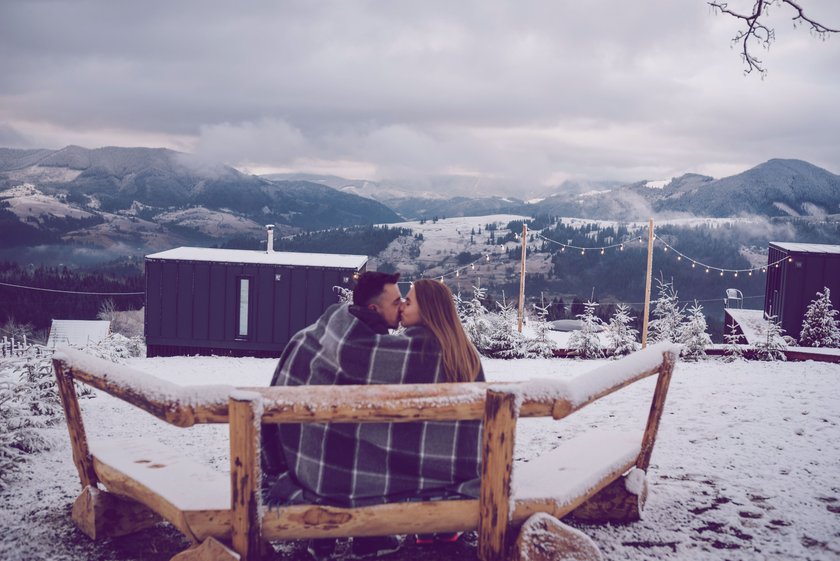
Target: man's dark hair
<point x="370" y="285"/>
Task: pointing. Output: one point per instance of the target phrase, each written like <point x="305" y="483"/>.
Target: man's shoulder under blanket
<point x="341" y="349"/>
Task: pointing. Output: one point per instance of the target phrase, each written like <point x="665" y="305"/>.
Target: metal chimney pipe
<point x="269" y="244"/>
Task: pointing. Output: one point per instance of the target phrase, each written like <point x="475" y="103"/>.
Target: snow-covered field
<point x="747" y="463"/>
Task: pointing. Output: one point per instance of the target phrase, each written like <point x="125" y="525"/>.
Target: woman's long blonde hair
<point x="436" y="304"/>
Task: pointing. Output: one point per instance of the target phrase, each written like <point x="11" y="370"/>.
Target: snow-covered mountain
<point x="154" y="197"/>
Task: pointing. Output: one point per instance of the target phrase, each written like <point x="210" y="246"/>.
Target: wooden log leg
<point x="621" y="501"/>
<point x="496" y="467"/>
<point x="210" y="549"/>
<point x="75" y="426"/>
<point x="100" y="514"/>
<point x="544" y="538"/>
<point x="245" y="414"/>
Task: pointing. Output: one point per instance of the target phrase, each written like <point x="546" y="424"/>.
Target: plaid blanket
<point x="345" y="464"/>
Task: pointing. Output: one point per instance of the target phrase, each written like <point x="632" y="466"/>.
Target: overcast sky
<point x="531" y="93"/>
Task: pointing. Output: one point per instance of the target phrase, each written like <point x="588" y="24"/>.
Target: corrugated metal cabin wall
<point x="152" y="313"/>
<point x="773" y="288"/>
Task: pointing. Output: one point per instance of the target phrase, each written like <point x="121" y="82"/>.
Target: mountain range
<point x="133" y="200"/>
<point x="148" y="198"/>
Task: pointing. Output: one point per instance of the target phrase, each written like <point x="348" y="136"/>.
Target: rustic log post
<point x="75" y="426"/>
<point x="657" y="405"/>
<point x="245" y="416"/>
<point x="100" y="514"/>
<point x="621" y="501"/>
<point x="496" y="468"/>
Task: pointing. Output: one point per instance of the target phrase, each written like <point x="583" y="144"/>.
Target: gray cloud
<point x="528" y="92"/>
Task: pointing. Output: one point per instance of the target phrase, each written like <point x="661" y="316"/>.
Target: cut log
<point x="621" y="501"/>
<point x="245" y="474"/>
<point x="75" y="426"/>
<point x="100" y="514"/>
<point x="496" y="470"/>
<point x="210" y="549"/>
<point x="544" y="538"/>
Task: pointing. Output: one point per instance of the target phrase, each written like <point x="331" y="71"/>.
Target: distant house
<point x="238" y="302"/>
<point x="796" y="272"/>
<point x="77" y="333"/>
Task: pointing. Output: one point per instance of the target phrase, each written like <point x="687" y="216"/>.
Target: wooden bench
<point x="131" y="485"/>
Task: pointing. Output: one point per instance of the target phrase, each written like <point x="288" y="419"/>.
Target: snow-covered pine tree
<point x="474" y="318"/>
<point x="771" y="343"/>
<point x="693" y="334"/>
<point x="541" y="346"/>
<point x="503" y="340"/>
<point x="586" y="342"/>
<point x="819" y="327"/>
<point x="733" y="350"/>
<point x="621" y="337"/>
<point x="668" y="316"/>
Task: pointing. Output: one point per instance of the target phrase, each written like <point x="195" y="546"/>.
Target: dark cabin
<point x="795" y="273"/>
<point x="238" y="302"/>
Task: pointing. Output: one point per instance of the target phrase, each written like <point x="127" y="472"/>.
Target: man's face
<point x="388" y="305"/>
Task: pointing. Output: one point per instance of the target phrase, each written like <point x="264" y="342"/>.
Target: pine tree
<point x="474" y="318"/>
<point x="667" y="313"/>
<point x="693" y="334"/>
<point x="541" y="345"/>
<point x="733" y="350"/>
<point x="586" y="342"/>
<point x="771" y="343"/>
<point x="621" y="336"/>
<point x="503" y="340"/>
<point x="819" y="327"/>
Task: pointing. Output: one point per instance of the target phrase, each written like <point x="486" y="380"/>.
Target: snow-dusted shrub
<point x="732" y="350"/>
<point x="586" y="342"/>
<point x="541" y="346"/>
<point x="667" y="313"/>
<point x="117" y="348"/>
<point x="128" y="323"/>
<point x="771" y="343"/>
<point x="29" y="402"/>
<point x="693" y="334"/>
<point x="819" y="327"/>
<point x="621" y="337"/>
<point x="345" y="295"/>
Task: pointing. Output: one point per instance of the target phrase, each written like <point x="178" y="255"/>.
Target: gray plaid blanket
<point x="345" y="464"/>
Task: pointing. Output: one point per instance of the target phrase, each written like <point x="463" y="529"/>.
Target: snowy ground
<point x="747" y="464"/>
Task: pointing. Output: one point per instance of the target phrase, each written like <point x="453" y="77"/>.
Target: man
<point x="346" y="464"/>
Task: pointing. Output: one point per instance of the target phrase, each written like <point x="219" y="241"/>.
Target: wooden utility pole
<point x="522" y="276"/>
<point x="647" y="283"/>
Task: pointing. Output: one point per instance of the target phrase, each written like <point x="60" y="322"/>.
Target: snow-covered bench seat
<point x="128" y="485"/>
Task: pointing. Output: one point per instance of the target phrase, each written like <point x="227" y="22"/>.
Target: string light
<point x="721" y="270"/>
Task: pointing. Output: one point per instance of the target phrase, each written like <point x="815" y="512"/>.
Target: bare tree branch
<point x="757" y="31"/>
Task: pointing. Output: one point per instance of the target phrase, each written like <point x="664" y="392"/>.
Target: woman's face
<point x="410" y="313"/>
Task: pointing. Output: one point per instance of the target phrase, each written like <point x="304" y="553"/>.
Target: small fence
<point x="10" y="347"/>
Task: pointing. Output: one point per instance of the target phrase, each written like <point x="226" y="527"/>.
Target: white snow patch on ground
<point x="745" y="467"/>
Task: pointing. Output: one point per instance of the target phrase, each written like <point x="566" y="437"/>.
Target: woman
<point x="430" y="304"/>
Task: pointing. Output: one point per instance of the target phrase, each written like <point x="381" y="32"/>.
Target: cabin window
<point x="244" y="307"/>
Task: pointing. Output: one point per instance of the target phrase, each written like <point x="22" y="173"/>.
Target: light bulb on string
<point x="472" y="266"/>
<point x="693" y="265"/>
<point x="707" y="269"/>
<point x="583" y="252"/>
<point x="750" y="273"/>
<point x="602" y="251"/>
<point x="621" y="247"/>
<point x="763" y="270"/>
<point x="721" y="273"/>
<point x="736" y="273"/>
